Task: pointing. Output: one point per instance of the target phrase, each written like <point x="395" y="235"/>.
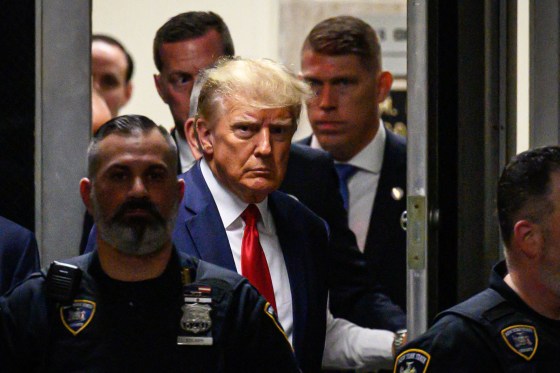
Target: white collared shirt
<point x="230" y="208"/>
<point x="362" y="186"/>
<point x="347" y="346"/>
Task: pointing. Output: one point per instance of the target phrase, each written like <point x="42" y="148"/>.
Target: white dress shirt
<point x="362" y="186"/>
<point x="347" y="346"/>
<point x="230" y="208"/>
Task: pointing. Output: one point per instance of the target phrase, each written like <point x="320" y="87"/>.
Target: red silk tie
<point x="253" y="261"/>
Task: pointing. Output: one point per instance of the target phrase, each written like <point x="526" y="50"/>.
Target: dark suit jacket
<point x="385" y="248"/>
<point x="174" y="134"/>
<point x="304" y="242"/>
<point x="19" y="256"/>
<point x="355" y="292"/>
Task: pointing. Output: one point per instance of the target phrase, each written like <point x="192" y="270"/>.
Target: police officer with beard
<point x="136" y="304"/>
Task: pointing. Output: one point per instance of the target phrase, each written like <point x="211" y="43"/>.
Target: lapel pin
<point x="397" y="193"/>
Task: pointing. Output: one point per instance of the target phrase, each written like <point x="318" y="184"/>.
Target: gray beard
<point x="135" y="240"/>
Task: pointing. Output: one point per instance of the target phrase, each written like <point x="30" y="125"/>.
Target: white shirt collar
<point x="229" y="205"/>
<point x="369" y="158"/>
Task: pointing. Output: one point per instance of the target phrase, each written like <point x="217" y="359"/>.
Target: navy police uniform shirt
<point x="494" y="331"/>
<point x="215" y="322"/>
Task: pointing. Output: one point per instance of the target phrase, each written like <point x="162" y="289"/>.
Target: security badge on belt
<point x="196" y="322"/>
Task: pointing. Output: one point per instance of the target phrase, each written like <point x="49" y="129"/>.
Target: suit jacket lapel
<point x="386" y="182"/>
<point x="295" y="265"/>
<point x="380" y="221"/>
<point x="203" y="223"/>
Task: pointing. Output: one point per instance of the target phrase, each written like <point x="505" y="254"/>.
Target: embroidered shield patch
<point x="412" y="361"/>
<point x="77" y="316"/>
<point x="521" y="339"/>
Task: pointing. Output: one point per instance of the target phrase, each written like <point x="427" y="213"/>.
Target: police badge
<point x="196" y="318"/>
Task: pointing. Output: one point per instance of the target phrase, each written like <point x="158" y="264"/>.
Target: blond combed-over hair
<point x="253" y="83"/>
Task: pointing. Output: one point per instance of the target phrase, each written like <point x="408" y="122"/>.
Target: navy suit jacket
<point x="385" y="247"/>
<point x="304" y="242"/>
<point x="19" y="256"/>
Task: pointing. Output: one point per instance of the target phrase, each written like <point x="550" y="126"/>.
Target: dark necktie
<point x="253" y="260"/>
<point x="344" y="171"/>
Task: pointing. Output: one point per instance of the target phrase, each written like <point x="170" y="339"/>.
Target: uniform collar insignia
<point x="78" y="315"/>
<point x="521" y="339"/>
<point x="412" y="361"/>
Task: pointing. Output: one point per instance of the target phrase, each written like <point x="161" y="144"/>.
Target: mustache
<point x="138" y="204"/>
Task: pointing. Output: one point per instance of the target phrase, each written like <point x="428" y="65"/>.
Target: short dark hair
<point x="110" y="40"/>
<point x="191" y="25"/>
<point x="524" y="188"/>
<point x="127" y="125"/>
<point x="346" y="35"/>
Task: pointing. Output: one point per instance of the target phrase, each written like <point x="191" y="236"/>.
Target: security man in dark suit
<point x="341" y="60"/>
<point x="136" y="303"/>
<point x="514" y="325"/>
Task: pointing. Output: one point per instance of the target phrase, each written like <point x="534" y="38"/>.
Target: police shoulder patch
<point x="412" y="361"/>
<point x="270" y="312"/>
<point x="78" y="315"/>
<point x="521" y="339"/>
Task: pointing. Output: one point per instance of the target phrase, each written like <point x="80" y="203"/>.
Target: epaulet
<point x="206" y="273"/>
<point x="476" y="307"/>
<point x="32" y="276"/>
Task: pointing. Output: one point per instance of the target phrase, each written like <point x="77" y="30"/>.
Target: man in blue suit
<point x="191" y="41"/>
<point x="247" y="115"/>
<point x="341" y="60"/>
<point x="19" y="256"/>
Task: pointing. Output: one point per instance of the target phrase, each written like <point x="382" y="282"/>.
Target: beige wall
<point x="522" y="75"/>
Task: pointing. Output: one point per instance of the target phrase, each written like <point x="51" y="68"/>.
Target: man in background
<point x="341" y="60"/>
<point x="111" y="70"/>
<point x="183" y="46"/>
